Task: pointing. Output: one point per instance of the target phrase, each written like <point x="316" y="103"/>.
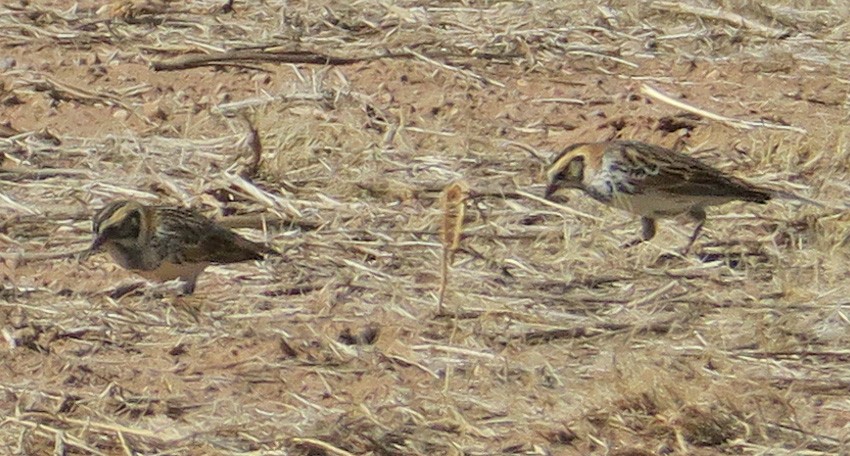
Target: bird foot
<point x="632" y="243"/>
<point x="123" y="290"/>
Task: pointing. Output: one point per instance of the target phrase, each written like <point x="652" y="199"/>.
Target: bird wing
<point x="666" y="171"/>
<point x="197" y="239"/>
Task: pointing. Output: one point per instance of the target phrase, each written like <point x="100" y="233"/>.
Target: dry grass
<point x="562" y="343"/>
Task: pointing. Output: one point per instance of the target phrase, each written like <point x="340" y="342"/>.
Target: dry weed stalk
<point x="453" y="207"/>
<point x="646" y="366"/>
<point x="250" y="162"/>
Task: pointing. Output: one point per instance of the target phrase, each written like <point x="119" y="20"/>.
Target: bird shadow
<point x="734" y="254"/>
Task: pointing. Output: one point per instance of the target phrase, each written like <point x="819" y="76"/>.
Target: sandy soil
<point x="555" y="340"/>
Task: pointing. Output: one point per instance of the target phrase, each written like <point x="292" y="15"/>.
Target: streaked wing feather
<point x="202" y="240"/>
<point x="679" y="174"/>
<point x="223" y="246"/>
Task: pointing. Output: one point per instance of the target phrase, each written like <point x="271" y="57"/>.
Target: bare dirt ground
<point x="554" y="341"/>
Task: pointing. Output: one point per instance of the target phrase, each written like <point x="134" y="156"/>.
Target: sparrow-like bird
<point x="164" y="243"/>
<point x="651" y="181"/>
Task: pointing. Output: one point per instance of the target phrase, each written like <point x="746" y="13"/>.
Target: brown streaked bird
<point x="651" y="181"/>
<point x="164" y="243"/>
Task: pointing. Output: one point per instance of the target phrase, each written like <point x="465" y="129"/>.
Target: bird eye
<point x="134" y="219"/>
<point x="574" y="170"/>
<point x="130" y="225"/>
<point x="127" y="228"/>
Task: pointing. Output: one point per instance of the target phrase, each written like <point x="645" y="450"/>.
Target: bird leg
<point x="698" y="214"/>
<point x="647" y="228"/>
<point x="189" y="285"/>
<point x="647" y="231"/>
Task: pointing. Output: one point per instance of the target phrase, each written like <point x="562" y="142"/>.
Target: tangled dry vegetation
<point x="330" y="130"/>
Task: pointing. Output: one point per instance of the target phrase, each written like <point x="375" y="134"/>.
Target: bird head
<point x="119" y="221"/>
<point x="566" y="170"/>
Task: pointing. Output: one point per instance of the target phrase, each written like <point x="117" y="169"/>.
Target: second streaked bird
<point x="651" y="181"/>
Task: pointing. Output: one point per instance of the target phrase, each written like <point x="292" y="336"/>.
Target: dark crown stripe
<point x="564" y="158"/>
<point x="566" y="151"/>
<point x="106" y="213"/>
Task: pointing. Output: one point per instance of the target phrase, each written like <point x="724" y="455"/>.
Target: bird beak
<point x="550" y="190"/>
<point x="96" y="244"/>
<point x="93" y="248"/>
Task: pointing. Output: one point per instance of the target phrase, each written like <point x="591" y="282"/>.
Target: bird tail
<point x="786" y="195"/>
